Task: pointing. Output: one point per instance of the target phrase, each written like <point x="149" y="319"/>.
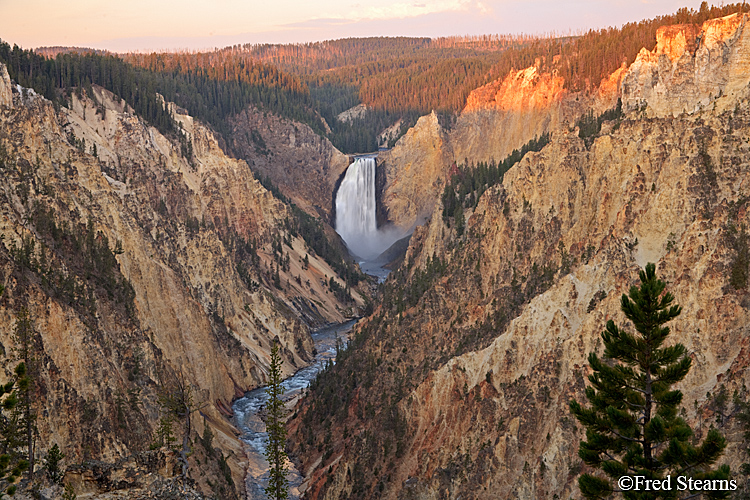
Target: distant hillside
<point x="402" y="73"/>
<point x="52" y="52"/>
<point x="397" y="78"/>
<point x="403" y="78"/>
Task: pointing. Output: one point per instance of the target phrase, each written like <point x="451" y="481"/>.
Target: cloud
<point x="400" y="10"/>
<point x="394" y="11"/>
<point x="484" y="9"/>
<point x="320" y="22"/>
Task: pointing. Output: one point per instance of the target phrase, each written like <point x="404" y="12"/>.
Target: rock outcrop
<point x="505" y="114"/>
<point x="6" y="94"/>
<point x="415" y="172"/>
<point x="354" y="113"/>
<point x="302" y="164"/>
<point x="690" y="67"/>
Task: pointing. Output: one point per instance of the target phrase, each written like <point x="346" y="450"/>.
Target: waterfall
<point x="355" y="212"/>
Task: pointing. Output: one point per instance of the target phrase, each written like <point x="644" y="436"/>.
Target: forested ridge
<point x="397" y="78"/>
<point x="209" y="90"/>
<point x="56" y="78"/>
<point x="213" y="86"/>
<point x="399" y="74"/>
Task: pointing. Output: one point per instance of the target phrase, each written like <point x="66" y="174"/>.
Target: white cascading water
<point x="355" y="212"/>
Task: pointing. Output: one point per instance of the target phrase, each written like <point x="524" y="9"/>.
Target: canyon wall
<point x="302" y="164"/>
<point x="690" y="67"/>
<point x="415" y="172"/>
<point x="485" y="334"/>
<point x="498" y="118"/>
<point x="506" y="113"/>
<point x="123" y="249"/>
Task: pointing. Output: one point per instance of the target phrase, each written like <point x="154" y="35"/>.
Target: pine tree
<point x="164" y="433"/>
<point x="23" y="335"/>
<point x="52" y="463"/>
<point x="69" y="492"/>
<point x="276" y="428"/>
<point x="207" y="439"/>
<point x="178" y="405"/>
<point x="460" y="221"/>
<point x="632" y="426"/>
<point x="12" y="463"/>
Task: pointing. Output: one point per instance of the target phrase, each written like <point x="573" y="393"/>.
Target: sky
<point x="146" y="25"/>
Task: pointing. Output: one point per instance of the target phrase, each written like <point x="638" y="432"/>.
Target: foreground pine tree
<point x="12" y="460"/>
<point x="632" y="427"/>
<point x="23" y="335"/>
<point x="278" y="485"/>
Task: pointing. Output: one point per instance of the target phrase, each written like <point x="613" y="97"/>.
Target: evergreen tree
<point x="632" y="427"/>
<point x="207" y="439"/>
<point x="52" y="463"/>
<point x="275" y="426"/>
<point x="460" y="221"/>
<point x="24" y="338"/>
<point x="69" y="492"/>
<point x="12" y="463"/>
<point x="178" y="405"/>
<point x="164" y="433"/>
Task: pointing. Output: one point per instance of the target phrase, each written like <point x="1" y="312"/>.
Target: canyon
<point x="175" y="306"/>
<point x="151" y="263"/>
<point x="305" y="166"/>
<point x="484" y="360"/>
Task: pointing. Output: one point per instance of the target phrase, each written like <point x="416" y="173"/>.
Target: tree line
<point x="398" y="78"/>
<point x="56" y="78"/>
<point x="469" y="181"/>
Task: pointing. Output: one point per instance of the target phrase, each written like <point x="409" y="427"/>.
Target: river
<point x="247" y="420"/>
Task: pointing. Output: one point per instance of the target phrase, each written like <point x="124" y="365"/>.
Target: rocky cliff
<point x="485" y="335"/>
<point x="302" y="164"/>
<point x="690" y="67"/>
<point x="145" y="262"/>
<point x="506" y="113"/>
<point x="498" y="118"/>
<point x="415" y="170"/>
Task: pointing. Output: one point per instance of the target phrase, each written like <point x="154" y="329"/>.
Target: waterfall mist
<point x="356" y="221"/>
